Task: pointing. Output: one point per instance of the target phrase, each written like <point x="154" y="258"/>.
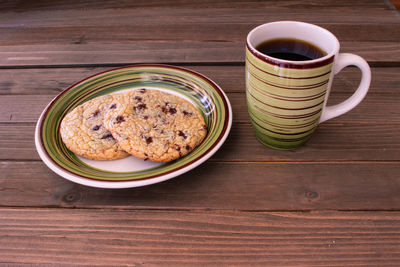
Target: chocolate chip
<point x="96" y="127"/>
<point x="107" y="136"/>
<point x="186" y="113"/>
<point x="120" y="119"/>
<point x="168" y="109"/>
<point x="142" y="90"/>
<point x="205" y="127"/>
<point x="172" y="111"/>
<point x="96" y="113"/>
<point x="177" y="147"/>
<point x="187" y="147"/>
<point x="140" y="107"/>
<point x="145" y="117"/>
<point x="182" y="134"/>
<point x="113" y="106"/>
<point x="149" y="140"/>
<point x="138" y="98"/>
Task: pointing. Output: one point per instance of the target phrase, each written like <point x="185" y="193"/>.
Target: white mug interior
<point x="311" y="33"/>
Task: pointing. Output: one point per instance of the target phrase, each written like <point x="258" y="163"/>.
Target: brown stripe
<point x="283" y="139"/>
<point x="291" y="64"/>
<point x="291" y="99"/>
<point x="303" y="116"/>
<point x="312" y="86"/>
<point x="285" y="126"/>
<point x="308" y="107"/>
<point x="286" y="77"/>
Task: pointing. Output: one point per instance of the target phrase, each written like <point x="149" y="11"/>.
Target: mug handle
<point x="344" y="60"/>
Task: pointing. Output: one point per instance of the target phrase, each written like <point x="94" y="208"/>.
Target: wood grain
<point x="49" y="5"/>
<point x="175" y="52"/>
<point x="50" y="81"/>
<point x="261" y="186"/>
<point x="331" y="142"/>
<point x="115" y="54"/>
<point x="154" y="238"/>
<point x="249" y="11"/>
<point x="179" y="33"/>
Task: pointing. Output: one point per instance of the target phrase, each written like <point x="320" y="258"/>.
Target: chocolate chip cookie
<point x="155" y="125"/>
<point x="83" y="132"/>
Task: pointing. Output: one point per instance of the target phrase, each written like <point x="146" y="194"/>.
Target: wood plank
<point x="204" y="32"/>
<point x="262" y="186"/>
<point x="27" y="108"/>
<point x="49" y="81"/>
<point x="154" y="238"/>
<point x="112" y="54"/>
<point x="176" y="52"/>
<point x="8" y="6"/>
<point x="330" y="143"/>
<point x="256" y="12"/>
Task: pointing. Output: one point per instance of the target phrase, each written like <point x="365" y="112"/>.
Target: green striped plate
<point x="132" y="172"/>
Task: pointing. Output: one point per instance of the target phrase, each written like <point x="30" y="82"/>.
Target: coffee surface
<point x="290" y="49"/>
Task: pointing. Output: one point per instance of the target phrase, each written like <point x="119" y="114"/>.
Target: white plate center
<point x="128" y="164"/>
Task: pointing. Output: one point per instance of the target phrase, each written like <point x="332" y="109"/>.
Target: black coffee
<point x="290" y="49"/>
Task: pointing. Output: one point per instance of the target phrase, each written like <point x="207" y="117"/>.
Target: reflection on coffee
<point x="290" y="49"/>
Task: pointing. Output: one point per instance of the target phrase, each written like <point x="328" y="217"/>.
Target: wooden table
<point x="333" y="202"/>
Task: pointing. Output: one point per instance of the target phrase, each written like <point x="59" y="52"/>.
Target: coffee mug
<point x="286" y="95"/>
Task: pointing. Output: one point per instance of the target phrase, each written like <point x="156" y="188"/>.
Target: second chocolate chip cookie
<point x="154" y="125"/>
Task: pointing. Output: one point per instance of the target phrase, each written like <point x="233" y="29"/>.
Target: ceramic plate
<point x="132" y="172"/>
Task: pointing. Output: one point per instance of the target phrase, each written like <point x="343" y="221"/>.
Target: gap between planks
<point x="271" y="162"/>
<point x="374" y="64"/>
<point x="116" y="65"/>
<point x="198" y="210"/>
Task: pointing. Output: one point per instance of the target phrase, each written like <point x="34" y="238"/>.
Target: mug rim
<point x="318" y="62"/>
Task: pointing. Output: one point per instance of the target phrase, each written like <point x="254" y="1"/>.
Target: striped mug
<point x="286" y="99"/>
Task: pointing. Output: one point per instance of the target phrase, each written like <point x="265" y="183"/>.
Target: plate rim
<point x="43" y="154"/>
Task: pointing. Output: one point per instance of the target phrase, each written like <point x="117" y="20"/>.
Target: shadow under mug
<point x="287" y="99"/>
